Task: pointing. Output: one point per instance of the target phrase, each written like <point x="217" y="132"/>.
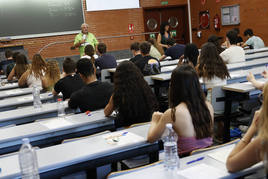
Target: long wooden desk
<point x="15" y="92"/>
<point x="208" y="167"/>
<point x="14" y="102"/>
<point x="52" y="130"/>
<point x="30" y="114"/>
<point x="91" y="152"/>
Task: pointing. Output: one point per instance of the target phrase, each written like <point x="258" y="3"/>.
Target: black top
<point x="143" y="61"/>
<point x="136" y="58"/>
<point x="5" y="65"/>
<point x="106" y="61"/>
<point x="175" y="52"/>
<point x="91" y="97"/>
<point x="239" y="39"/>
<point x="68" y="85"/>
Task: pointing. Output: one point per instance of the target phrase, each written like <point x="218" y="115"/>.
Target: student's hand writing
<point x="250" y="77"/>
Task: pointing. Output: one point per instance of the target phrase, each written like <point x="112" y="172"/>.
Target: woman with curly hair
<point x="211" y="67"/>
<point x="52" y="75"/>
<point x="132" y="98"/>
<point x="164" y="35"/>
<point x="34" y="74"/>
<point x="20" y="67"/>
<point x="189" y="113"/>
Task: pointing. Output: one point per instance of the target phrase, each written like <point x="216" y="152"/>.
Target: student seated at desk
<point x="105" y="60"/>
<point x="132" y="96"/>
<point x="250" y="151"/>
<point x="154" y="52"/>
<point x="7" y="65"/>
<point x="35" y="73"/>
<point x="233" y="53"/>
<point x="254" y="42"/>
<point x="20" y="67"/>
<point x="211" y="67"/>
<point x="52" y="75"/>
<point x="255" y="83"/>
<point x="190" y="114"/>
<point x="89" y="53"/>
<point x="174" y="50"/>
<point x="135" y="50"/>
<point x="70" y="82"/>
<point x="148" y="64"/>
<point x="95" y="94"/>
<point x="191" y="53"/>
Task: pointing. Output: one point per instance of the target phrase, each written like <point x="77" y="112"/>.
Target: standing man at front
<point x="84" y="38"/>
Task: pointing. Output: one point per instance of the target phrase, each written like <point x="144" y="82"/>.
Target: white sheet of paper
<point x="55" y="123"/>
<point x="25" y="98"/>
<point x="14" y="92"/>
<point x="221" y="155"/>
<point x="201" y="171"/>
<point x="122" y="138"/>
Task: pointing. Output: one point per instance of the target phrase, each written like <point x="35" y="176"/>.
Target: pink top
<point x="188" y="144"/>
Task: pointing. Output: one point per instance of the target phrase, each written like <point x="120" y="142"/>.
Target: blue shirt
<point x="106" y="61"/>
<point x="255" y="42"/>
<point x="175" y="52"/>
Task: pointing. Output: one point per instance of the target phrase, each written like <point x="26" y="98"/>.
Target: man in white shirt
<point x="234" y="53"/>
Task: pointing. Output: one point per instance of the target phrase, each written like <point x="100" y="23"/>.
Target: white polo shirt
<point x="233" y="54"/>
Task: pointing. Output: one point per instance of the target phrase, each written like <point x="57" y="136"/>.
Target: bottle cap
<point x="26" y="140"/>
<point x="59" y="99"/>
<point x="169" y="125"/>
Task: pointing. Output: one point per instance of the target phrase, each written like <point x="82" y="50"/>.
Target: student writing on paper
<point x="132" y="96"/>
<point x="250" y="151"/>
<point x="35" y="73"/>
<point x="95" y="94"/>
<point x="20" y="67"/>
<point x="211" y="68"/>
<point x="52" y="75"/>
<point x="189" y="113"/>
<point x="70" y="82"/>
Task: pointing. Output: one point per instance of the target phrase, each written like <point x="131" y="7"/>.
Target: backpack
<point x="152" y="67"/>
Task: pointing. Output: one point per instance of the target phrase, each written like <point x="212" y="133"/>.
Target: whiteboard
<point x="100" y="5"/>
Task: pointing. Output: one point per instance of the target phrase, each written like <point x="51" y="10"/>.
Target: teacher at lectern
<point x="84" y="38"/>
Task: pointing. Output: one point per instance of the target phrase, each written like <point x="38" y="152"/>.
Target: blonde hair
<point x="38" y="66"/>
<point x="263" y="117"/>
<point x="52" y="73"/>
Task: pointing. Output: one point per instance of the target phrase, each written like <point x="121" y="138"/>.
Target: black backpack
<point x="152" y="67"/>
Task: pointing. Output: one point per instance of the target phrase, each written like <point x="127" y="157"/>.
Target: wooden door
<point x="177" y="17"/>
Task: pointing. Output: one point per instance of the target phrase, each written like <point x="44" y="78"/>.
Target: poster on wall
<point x="204" y="19"/>
<point x="230" y="15"/>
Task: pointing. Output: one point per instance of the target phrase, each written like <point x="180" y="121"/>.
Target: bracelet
<point x="243" y="140"/>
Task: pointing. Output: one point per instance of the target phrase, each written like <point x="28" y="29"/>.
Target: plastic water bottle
<point x="171" y="161"/>
<point x="28" y="161"/>
<point x="61" y="108"/>
<point x="36" y="97"/>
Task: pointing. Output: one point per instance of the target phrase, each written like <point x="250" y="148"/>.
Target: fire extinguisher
<point x="217" y="25"/>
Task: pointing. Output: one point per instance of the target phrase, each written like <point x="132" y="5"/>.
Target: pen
<point x="196" y="160"/>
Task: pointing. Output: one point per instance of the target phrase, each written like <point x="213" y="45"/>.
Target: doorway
<point x="177" y="17"/>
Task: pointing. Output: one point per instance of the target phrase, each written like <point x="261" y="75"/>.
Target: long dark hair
<point x="191" y="53"/>
<point x="185" y="87"/>
<point x="133" y="97"/>
<point x="162" y="28"/>
<point x="211" y="64"/>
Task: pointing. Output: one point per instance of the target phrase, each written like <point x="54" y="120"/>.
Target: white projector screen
<point x="100" y="5"/>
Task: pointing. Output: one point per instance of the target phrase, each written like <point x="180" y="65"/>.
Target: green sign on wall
<point x="164" y="3"/>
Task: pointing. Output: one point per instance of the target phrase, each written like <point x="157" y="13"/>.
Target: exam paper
<point x="55" y="123"/>
<point x="122" y="138"/>
<point x="221" y="155"/>
<point x="201" y="171"/>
